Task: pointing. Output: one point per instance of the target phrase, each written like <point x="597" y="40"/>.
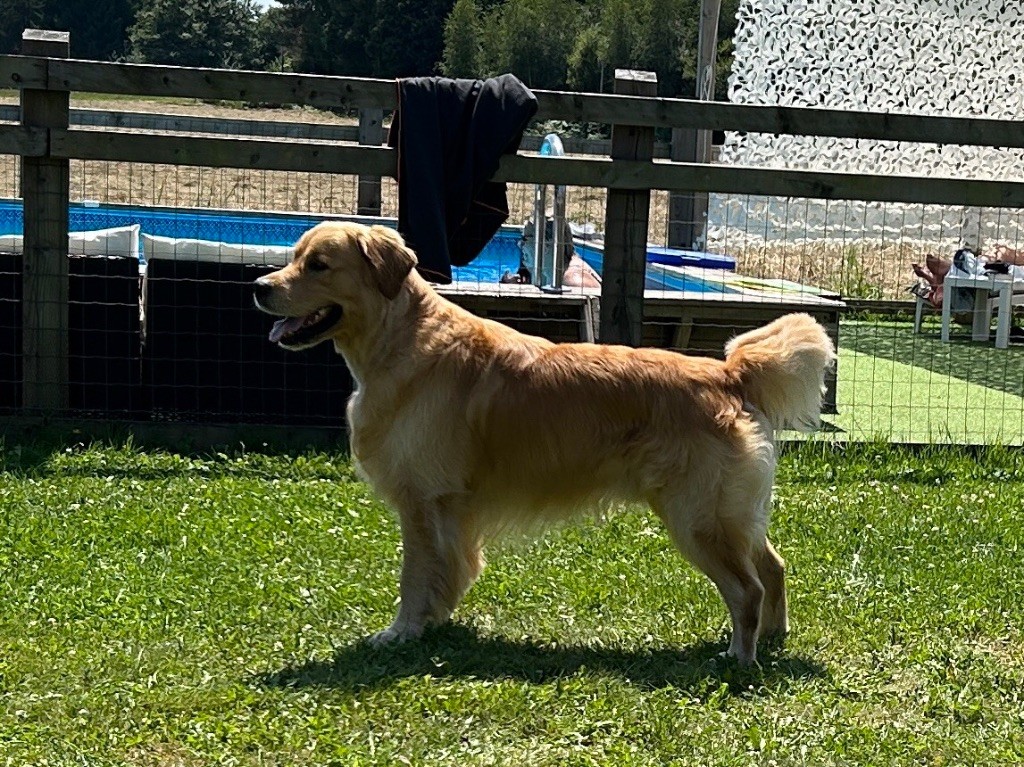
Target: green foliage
<point x="330" y="37"/>
<point x="587" y="70"/>
<point x="619" y="27"/>
<point x="462" y="41"/>
<point x="17" y="16"/>
<point x="197" y="33"/>
<point x="276" y="41"/>
<point x="407" y="38"/>
<point x="854" y="280"/>
<point x="661" y="45"/>
<point x="532" y="39"/>
<point x="401" y="38"/>
<point x="98" y="27"/>
<point x="555" y="44"/>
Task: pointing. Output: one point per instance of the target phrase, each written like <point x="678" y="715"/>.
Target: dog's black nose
<point x="261" y="291"/>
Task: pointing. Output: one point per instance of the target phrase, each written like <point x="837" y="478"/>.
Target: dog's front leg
<point x="440" y="560"/>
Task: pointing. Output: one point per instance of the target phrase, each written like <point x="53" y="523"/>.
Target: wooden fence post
<point x="682" y="229"/>
<point x="371" y="133"/>
<point x="45" y="193"/>
<point x="625" y="228"/>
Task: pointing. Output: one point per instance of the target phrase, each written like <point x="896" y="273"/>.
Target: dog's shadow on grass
<point x="458" y="651"/>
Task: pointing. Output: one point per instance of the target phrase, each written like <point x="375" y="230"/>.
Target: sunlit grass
<point x="170" y="609"/>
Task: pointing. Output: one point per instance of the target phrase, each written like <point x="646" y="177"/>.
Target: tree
<point x="331" y="36"/>
<point x="532" y="39"/>
<point x="660" y="42"/>
<point x="462" y="41"/>
<point x="618" y="26"/>
<point x="99" y="28"/>
<point x="17" y="16"/>
<point x="726" y="30"/>
<point x="197" y="33"/>
<point x="407" y="37"/>
<point x="368" y="38"/>
<point x="277" y="41"/>
<point x="587" y="62"/>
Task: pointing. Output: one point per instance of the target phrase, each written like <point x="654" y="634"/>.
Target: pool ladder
<point x="549" y="264"/>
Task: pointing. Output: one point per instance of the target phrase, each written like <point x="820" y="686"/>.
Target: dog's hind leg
<point x="724" y="559"/>
<point x="771" y="571"/>
<point x="719" y="545"/>
<point x="442" y="557"/>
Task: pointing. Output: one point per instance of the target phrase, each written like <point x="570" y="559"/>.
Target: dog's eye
<point x="316" y="265"/>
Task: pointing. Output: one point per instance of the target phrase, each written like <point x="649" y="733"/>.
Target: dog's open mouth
<point x="296" y="331"/>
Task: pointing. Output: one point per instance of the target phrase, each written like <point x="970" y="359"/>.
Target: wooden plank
<point x="588" y="146"/>
<point x="625" y="227"/>
<point x="529" y="296"/>
<point x="164" y="122"/>
<point x="574" y="171"/>
<point x="371" y="133"/>
<point x="262" y="154"/>
<point x="737" y="179"/>
<point x="23" y="140"/>
<point x="353" y="92"/>
<point x="797" y="121"/>
<point x="881" y="305"/>
<point x="129" y="146"/>
<point x="23" y="72"/>
<point x="323" y="91"/>
<point x="45" y="189"/>
<point x="682" y="332"/>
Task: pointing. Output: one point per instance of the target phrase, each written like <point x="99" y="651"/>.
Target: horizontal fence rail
<point x="330" y="92"/>
<point x="321" y="157"/>
<point x="160" y="122"/>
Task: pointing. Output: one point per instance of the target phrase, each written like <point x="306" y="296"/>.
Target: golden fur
<point x="466" y="426"/>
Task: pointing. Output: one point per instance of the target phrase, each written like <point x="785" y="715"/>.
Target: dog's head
<point x="337" y="284"/>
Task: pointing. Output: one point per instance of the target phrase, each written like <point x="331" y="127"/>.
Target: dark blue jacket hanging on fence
<point x="450" y="135"/>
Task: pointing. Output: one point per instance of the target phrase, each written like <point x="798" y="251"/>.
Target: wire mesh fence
<point x="161" y="324"/>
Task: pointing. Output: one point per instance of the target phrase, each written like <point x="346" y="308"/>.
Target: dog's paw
<point x="394" y="634"/>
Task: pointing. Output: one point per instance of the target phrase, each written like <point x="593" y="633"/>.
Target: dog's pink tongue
<point x="285" y="326"/>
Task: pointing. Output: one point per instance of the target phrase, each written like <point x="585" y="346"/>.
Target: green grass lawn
<point x="897" y="386"/>
<point x="162" y="609"/>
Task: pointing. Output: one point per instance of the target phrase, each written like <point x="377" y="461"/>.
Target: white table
<point x="984" y="287"/>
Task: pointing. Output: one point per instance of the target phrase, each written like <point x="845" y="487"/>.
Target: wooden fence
<point x="46" y="140"/>
<point x="160" y="122"/>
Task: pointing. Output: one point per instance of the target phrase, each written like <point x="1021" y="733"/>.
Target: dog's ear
<point x="389" y="259"/>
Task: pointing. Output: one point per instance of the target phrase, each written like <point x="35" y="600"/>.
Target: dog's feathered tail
<point x="781" y="368"/>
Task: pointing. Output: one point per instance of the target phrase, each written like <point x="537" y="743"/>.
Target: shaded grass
<point x="162" y="608"/>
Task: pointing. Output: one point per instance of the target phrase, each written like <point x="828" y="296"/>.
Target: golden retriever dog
<point x="466" y="427"/>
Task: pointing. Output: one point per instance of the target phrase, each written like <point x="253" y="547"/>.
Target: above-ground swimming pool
<point x="284" y="229"/>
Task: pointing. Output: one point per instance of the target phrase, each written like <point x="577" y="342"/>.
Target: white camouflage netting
<point x="935" y="57"/>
